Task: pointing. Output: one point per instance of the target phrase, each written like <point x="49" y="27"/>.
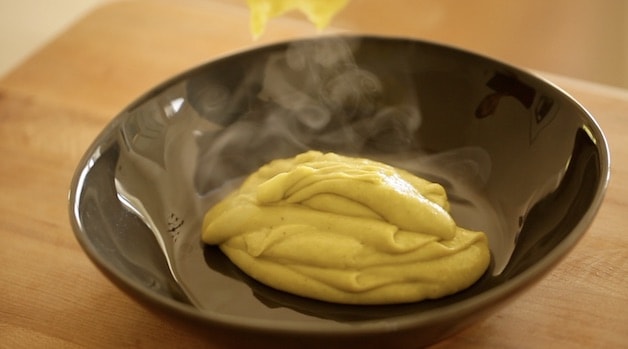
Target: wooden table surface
<point x="54" y="104"/>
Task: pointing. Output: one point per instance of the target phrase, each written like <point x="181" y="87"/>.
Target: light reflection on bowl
<point x="520" y="159"/>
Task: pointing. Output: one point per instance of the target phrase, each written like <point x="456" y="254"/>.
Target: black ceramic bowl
<point x="520" y="159"/>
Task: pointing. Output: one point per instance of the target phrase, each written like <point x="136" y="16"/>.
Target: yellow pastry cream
<point x="346" y="230"/>
<point x="319" y="12"/>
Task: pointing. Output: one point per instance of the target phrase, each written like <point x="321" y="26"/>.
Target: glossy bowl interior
<point x="520" y="159"/>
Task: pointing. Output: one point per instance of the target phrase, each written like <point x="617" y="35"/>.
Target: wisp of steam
<point x="195" y="147"/>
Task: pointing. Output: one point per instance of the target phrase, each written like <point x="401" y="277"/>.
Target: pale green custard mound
<point x="346" y="230"/>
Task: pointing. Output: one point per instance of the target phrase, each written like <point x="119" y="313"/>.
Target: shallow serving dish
<point x="520" y="159"/>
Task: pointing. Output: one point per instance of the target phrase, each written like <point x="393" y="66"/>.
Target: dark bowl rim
<point x="476" y="303"/>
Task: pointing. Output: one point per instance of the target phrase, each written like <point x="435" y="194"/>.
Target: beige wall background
<point x="585" y="39"/>
<point x="26" y="25"/>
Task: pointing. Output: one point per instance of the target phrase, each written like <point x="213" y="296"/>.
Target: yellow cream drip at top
<point x="346" y="230"/>
<point x="319" y="12"/>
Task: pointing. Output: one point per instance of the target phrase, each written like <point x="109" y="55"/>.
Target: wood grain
<point x="53" y="106"/>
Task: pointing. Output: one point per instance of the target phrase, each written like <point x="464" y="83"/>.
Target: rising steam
<point x="312" y="96"/>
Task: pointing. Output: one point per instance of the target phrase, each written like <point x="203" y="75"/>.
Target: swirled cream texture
<point x="346" y="230"/>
